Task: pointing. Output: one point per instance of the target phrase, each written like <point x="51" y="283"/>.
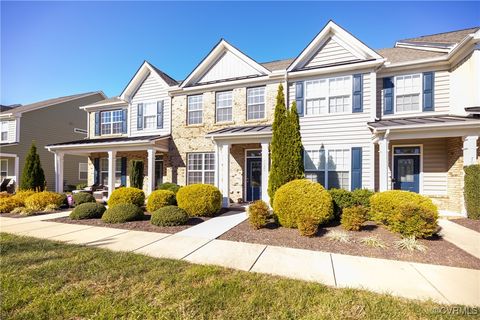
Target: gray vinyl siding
<point x="151" y="90"/>
<point x="51" y="125"/>
<point x="330" y="53"/>
<point x="338" y="131"/>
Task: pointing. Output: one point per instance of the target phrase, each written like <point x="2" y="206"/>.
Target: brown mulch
<point x="468" y="223"/>
<point x="438" y="252"/>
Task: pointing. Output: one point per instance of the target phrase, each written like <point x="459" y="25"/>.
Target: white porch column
<point x="151" y="171"/>
<point x="58" y="171"/>
<point x="111" y="171"/>
<point x="224" y="174"/>
<point x="265" y="171"/>
<point x="17" y="172"/>
<point x="383" y="164"/>
<point x="218" y="149"/>
<point x="470" y="150"/>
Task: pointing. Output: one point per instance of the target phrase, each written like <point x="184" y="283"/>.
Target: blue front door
<point x="406" y="172"/>
<point x="254" y="179"/>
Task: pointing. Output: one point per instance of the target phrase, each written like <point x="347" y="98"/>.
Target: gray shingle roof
<point x="277" y="64"/>
<point x="242" y="130"/>
<point x="405" y="54"/>
<point x="444" y="37"/>
<point x="169" y="80"/>
<point x="423" y="121"/>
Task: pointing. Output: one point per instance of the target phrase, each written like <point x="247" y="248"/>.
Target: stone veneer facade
<point x="191" y="138"/>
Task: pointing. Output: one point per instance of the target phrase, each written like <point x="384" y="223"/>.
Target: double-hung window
<point x="82" y="171"/>
<point x="104" y="171"/>
<point x="195" y="109"/>
<point x="150" y="115"/>
<point x="201" y="168"/>
<point x="340" y="90"/>
<point x="4" y="131"/>
<point x="316" y="97"/>
<point x="3" y="168"/>
<point x="224" y="101"/>
<point x="255" y="103"/>
<point x="332" y="95"/>
<point x="330" y="168"/>
<point x="408" y="89"/>
<point x="111" y="122"/>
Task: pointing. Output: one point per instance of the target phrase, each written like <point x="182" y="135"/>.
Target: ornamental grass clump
<point x="123" y="212"/>
<point x="410" y="244"/>
<point x="127" y="195"/>
<point x="88" y="210"/>
<point x="160" y="198"/>
<point x="258" y="214"/>
<point x="169" y="216"/>
<point x="202" y="200"/>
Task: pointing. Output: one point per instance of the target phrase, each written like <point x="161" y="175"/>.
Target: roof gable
<point x="332" y="45"/>
<point x="224" y="62"/>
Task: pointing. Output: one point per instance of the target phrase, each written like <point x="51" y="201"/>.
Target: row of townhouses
<point x="405" y="118"/>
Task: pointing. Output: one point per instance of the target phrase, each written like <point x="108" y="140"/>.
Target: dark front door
<point x="407" y="172"/>
<point x="254" y="179"/>
<point x="158" y="172"/>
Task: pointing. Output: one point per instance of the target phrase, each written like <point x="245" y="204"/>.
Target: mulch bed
<point x="438" y="252"/>
<point x="468" y="223"/>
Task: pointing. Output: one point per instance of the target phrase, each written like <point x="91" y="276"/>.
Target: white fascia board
<point x="139" y="76"/>
<point x="94" y="145"/>
<point x="105" y="105"/>
<point x="474" y="125"/>
<point x="223" y="85"/>
<point x="333" y="69"/>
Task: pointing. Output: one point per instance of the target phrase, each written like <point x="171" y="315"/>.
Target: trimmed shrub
<point x="258" y="213"/>
<point x="361" y="197"/>
<point x="308" y="226"/>
<point x="202" y="200"/>
<point x="23" y="195"/>
<point x="83" y="197"/>
<point x="122" y="212"/>
<point x="303" y="202"/>
<point x="4" y="194"/>
<point x="136" y="175"/>
<point x="341" y="199"/>
<point x="471" y="191"/>
<point x="354" y="217"/>
<point x="169" y="216"/>
<point x="160" y="198"/>
<point x="40" y="200"/>
<point x="126" y="195"/>
<point x="405" y="212"/>
<point x="169" y="186"/>
<point x="88" y="210"/>
<point x="9" y="204"/>
<point x="81" y="186"/>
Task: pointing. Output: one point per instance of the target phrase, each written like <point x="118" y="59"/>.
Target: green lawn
<point x="50" y="280"/>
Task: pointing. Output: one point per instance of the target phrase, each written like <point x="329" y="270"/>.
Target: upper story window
<point x="195" y="109"/>
<point x="3" y="131"/>
<point x="408" y="89"/>
<point x="333" y="95"/>
<point x="150" y="115"/>
<point x="255" y="103"/>
<point x="111" y="122"/>
<point x="3" y="168"/>
<point x="224" y="102"/>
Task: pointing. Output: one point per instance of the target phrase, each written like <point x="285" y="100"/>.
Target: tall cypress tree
<point x="33" y="177"/>
<point x="295" y="147"/>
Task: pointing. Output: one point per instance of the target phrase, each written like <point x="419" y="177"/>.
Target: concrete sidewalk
<point x="215" y="227"/>
<point x="405" y="279"/>
<point x="464" y="238"/>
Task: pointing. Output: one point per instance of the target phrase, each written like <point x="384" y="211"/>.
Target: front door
<point x="406" y="172"/>
<point x="254" y="179"/>
<point x="158" y="171"/>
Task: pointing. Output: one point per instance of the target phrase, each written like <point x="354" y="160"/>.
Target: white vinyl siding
<point x="331" y="95"/>
<point x="111" y="122"/>
<point x="151" y="90"/>
<point x="331" y="52"/>
<point x="195" y="109"/>
<point x="255" y="103"/>
<point x="330" y="168"/>
<point x="223" y="104"/>
<point x="341" y="131"/>
<point x="82" y="171"/>
<point x="201" y="168"/>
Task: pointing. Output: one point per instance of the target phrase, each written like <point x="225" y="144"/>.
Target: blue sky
<point x="50" y="49"/>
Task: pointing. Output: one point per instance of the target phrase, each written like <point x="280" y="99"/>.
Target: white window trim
<point x="395" y="91"/>
<point x="6" y="166"/>
<point x="144" y="106"/>
<point x="118" y="170"/>
<point x="326" y="170"/>
<point x="79" y="170"/>
<point x="188" y="110"/>
<point x="327" y="96"/>
<point x="420" y="184"/>
<point x="203" y="170"/>
<point x="111" y="123"/>
<point x="6" y="124"/>
<point x="264" y="103"/>
<point x="216" y="107"/>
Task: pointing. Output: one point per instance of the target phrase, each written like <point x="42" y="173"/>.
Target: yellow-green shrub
<point x="126" y="195"/>
<point x="160" y="198"/>
<point x="23" y="195"/>
<point x="199" y="199"/>
<point x="122" y="212"/>
<point x="303" y="203"/>
<point x="353" y="218"/>
<point x="4" y="194"/>
<point x="8" y="204"/>
<point x="258" y="214"/>
<point x="39" y="201"/>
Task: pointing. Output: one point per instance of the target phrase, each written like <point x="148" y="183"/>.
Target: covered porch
<point x="110" y="160"/>
<point x="242" y="162"/>
<point x="427" y="155"/>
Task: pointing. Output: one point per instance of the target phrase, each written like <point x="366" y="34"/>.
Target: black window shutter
<point x="160" y="114"/>
<point x="123" y="169"/>
<point x="299" y="97"/>
<point x="140" y="116"/>
<point x="96" y="170"/>
<point x="428" y="82"/>
<point x="357" y="94"/>
<point x="356" y="168"/>
<point x="97" y="123"/>
<point x="388" y="95"/>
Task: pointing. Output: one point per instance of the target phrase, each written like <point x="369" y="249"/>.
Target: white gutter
<point x="103" y="144"/>
<point x="475" y="124"/>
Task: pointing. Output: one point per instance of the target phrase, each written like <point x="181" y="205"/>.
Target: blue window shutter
<point x="356" y="168"/>
<point x="160" y="114"/>
<point x="388" y="95"/>
<point x="123" y="169"/>
<point x="97" y="123"/>
<point x="299" y="97"/>
<point x="357" y="85"/>
<point x="96" y="170"/>
<point x="140" y="116"/>
<point x="124" y="121"/>
<point x="428" y="79"/>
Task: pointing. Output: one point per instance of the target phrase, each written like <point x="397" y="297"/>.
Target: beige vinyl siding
<point x="151" y="90"/>
<point x="330" y="53"/>
<point x="342" y="131"/>
<point x="51" y="125"/>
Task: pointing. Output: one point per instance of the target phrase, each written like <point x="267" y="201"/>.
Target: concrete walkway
<point x="215" y="227"/>
<point x="464" y="238"/>
<point x="405" y="279"/>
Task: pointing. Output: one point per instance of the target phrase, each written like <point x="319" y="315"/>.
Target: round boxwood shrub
<point x="169" y="216"/>
<point x="8" y="204"/>
<point x="258" y="214"/>
<point x="88" y="210"/>
<point x="122" y="212"/>
<point x="39" y="201"/>
<point x="200" y="199"/>
<point x="361" y="197"/>
<point x="169" y="186"/>
<point x="341" y="199"/>
<point x="126" y="195"/>
<point x="354" y="217"/>
<point x="83" y="197"/>
<point x="160" y="198"/>
<point x="303" y="202"/>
